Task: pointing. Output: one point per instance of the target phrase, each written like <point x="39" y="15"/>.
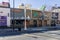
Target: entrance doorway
<point x="27" y="23"/>
<point x="40" y="23"/>
<point x="17" y="23"/>
<point x="45" y="22"/>
<point x="35" y="23"/>
<point x="53" y="23"/>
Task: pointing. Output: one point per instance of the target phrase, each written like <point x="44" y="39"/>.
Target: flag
<point x="43" y="7"/>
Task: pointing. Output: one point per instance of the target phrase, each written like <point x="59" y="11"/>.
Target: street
<point x="29" y="19"/>
<point x="44" y="35"/>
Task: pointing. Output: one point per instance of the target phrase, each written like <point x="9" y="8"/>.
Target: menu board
<point x="3" y="20"/>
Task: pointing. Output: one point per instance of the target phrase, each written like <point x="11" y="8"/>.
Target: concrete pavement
<point x="9" y="32"/>
<point x="28" y="37"/>
<point x="30" y="34"/>
<point x="48" y="35"/>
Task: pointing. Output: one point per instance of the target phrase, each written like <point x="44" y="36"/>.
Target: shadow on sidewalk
<point x="9" y="32"/>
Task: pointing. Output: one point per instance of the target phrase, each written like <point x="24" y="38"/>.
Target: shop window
<point x="35" y="23"/>
<point x="54" y="15"/>
<point x="8" y="14"/>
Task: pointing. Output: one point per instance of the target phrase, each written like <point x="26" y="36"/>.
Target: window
<point x="8" y="14"/>
<point x="55" y="15"/>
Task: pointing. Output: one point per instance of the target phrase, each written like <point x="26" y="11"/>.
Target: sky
<point x="35" y="3"/>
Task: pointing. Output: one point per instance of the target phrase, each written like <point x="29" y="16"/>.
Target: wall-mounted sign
<point x="3" y="20"/>
<point x="16" y="11"/>
<point x="35" y="14"/>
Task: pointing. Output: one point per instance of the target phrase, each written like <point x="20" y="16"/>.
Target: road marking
<point x="38" y="36"/>
<point x="28" y="35"/>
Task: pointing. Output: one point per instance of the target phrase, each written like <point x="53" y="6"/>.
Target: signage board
<point x="3" y="20"/>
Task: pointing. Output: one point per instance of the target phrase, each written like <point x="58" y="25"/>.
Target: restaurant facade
<point x="34" y="17"/>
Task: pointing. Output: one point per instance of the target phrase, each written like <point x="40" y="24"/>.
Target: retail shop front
<point x="17" y="23"/>
<point x="4" y="17"/>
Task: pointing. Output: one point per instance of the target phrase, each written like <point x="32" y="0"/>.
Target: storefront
<point x="5" y="17"/>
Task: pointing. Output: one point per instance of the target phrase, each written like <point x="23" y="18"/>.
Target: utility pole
<point x="13" y="13"/>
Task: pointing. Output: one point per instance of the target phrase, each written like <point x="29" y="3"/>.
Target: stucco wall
<point x="5" y="12"/>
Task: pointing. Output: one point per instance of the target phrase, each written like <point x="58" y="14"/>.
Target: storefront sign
<point x="35" y="14"/>
<point x="3" y="21"/>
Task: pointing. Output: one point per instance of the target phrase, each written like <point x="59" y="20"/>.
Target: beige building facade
<point x="34" y="17"/>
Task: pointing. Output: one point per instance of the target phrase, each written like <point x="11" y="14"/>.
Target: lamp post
<point x="25" y="28"/>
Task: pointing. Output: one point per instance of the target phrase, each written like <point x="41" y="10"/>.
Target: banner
<point x="43" y="7"/>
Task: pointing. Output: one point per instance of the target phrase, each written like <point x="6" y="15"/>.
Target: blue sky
<point x="35" y="3"/>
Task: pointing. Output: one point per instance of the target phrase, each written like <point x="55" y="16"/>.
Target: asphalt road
<point x="30" y="34"/>
<point x="48" y="35"/>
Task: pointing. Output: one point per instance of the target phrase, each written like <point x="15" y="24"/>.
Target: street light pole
<point x="25" y="28"/>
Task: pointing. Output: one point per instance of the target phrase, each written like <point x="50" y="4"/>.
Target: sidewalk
<point x="10" y="32"/>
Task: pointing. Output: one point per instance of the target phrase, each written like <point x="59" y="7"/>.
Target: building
<point x="34" y="17"/>
<point x="4" y="17"/>
<point x="57" y="14"/>
<point x="17" y="16"/>
<point x="5" y="4"/>
<point x="4" y="14"/>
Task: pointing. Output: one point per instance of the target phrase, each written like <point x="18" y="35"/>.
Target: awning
<point x="23" y="18"/>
